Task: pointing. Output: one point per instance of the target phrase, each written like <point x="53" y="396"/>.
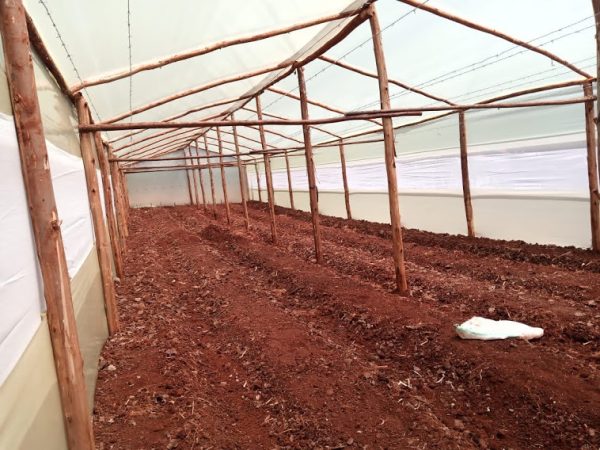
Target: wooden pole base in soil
<point x="345" y="180"/>
<point x="100" y="232"/>
<point x="310" y="167"/>
<point x="46" y="226"/>
<point x="289" y="178"/>
<point x="464" y="168"/>
<point x="268" y="174"/>
<point x="390" y="155"/>
<point x="592" y="165"/>
<point x="108" y="205"/>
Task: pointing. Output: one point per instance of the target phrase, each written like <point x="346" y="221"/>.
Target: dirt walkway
<point x="231" y="342"/>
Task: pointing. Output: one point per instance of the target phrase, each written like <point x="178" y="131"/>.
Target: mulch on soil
<point x="228" y="341"/>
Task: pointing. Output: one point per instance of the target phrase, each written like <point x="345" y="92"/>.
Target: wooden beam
<point x="210" y="48"/>
<point x="268" y="173"/>
<point x="202" y="88"/>
<point x="390" y="154"/>
<point x="289" y="179"/>
<point x="374" y="75"/>
<point x="119" y="201"/>
<point x="45" y="223"/>
<point x="187" y="179"/>
<point x="596" y="8"/>
<point x="195" y="182"/>
<point x="322" y="130"/>
<point x="100" y="232"/>
<point x="240" y="175"/>
<point x="345" y="179"/>
<point x="212" y="181"/>
<point x="506" y="37"/>
<point x="257" y="181"/>
<point x="310" y="167"/>
<point x="223" y="179"/>
<point x="464" y="168"/>
<point x="108" y="205"/>
<point x="592" y="166"/>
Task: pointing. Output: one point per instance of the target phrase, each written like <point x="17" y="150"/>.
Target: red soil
<point x="231" y="342"/>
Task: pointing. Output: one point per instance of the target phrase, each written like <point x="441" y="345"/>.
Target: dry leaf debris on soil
<point x="229" y="341"/>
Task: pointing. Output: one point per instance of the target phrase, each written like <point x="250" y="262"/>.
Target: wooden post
<point x="46" y="226"/>
<point x="464" y="168"/>
<point x="212" y="181"/>
<point x="197" y="153"/>
<point x="592" y="165"/>
<point x="119" y="201"/>
<point x="197" y="194"/>
<point x="223" y="179"/>
<point x="268" y="174"/>
<point x="125" y="193"/>
<point x="102" y="245"/>
<point x="390" y="154"/>
<point x="258" y="181"/>
<point x="187" y="179"/>
<point x="108" y="205"/>
<point x="345" y="179"/>
<point x="596" y="7"/>
<point x="289" y="178"/>
<point x="240" y="175"/>
<point x="310" y="167"/>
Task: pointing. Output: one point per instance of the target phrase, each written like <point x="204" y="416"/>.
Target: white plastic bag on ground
<point x="487" y="329"/>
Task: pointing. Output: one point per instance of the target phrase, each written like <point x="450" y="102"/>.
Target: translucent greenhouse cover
<point x="92" y="39"/>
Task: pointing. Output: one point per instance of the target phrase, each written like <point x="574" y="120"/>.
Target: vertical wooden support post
<point x="187" y="178"/>
<point x="596" y="7"/>
<point x="212" y="179"/>
<point x="108" y="205"/>
<point x="592" y="166"/>
<point x="223" y="179"/>
<point x="289" y="178"/>
<point x="46" y="226"/>
<point x="390" y="154"/>
<point x="464" y="168"/>
<point x="102" y="245"/>
<point x="197" y="194"/>
<point x="197" y="153"/>
<point x="310" y="167"/>
<point x="268" y="174"/>
<point x="345" y="179"/>
<point x="119" y="200"/>
<point x="257" y="181"/>
<point x="240" y="175"/>
<point x="123" y="178"/>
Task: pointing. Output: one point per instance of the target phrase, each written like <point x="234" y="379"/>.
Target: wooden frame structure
<point x="19" y="35"/>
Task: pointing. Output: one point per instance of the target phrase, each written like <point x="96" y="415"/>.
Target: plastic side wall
<point x="30" y="416"/>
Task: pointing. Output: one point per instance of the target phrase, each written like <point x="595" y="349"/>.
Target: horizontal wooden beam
<point x="210" y="48"/>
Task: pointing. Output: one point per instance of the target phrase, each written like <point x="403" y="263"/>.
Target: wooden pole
<point x="100" y="232"/>
<point x="268" y="174"/>
<point x="464" y="168"/>
<point x="289" y="178"/>
<point x="46" y="226"/>
<point x="187" y="179"/>
<point x="596" y="8"/>
<point x="390" y="154"/>
<point x="345" y="179"/>
<point x="108" y="205"/>
<point x="240" y="175"/>
<point x="223" y="179"/>
<point x="125" y="193"/>
<point x="258" y="181"/>
<point x="211" y="48"/>
<point x="200" y="179"/>
<point x="310" y="167"/>
<point x="212" y="182"/>
<point x="195" y="182"/>
<point x="592" y="166"/>
<point x="119" y="202"/>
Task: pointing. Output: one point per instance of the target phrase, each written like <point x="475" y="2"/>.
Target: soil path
<point x="231" y="342"/>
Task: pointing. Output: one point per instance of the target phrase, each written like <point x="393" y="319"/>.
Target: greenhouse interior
<point x="299" y="224"/>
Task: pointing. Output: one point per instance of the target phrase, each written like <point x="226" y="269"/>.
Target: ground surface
<point x="231" y="342"/>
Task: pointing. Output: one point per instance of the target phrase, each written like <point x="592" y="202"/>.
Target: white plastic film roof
<point x="421" y="49"/>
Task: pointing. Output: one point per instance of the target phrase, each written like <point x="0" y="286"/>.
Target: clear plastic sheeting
<point x="21" y="296"/>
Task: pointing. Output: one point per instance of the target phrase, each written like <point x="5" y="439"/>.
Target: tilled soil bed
<point x="231" y="342"/>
